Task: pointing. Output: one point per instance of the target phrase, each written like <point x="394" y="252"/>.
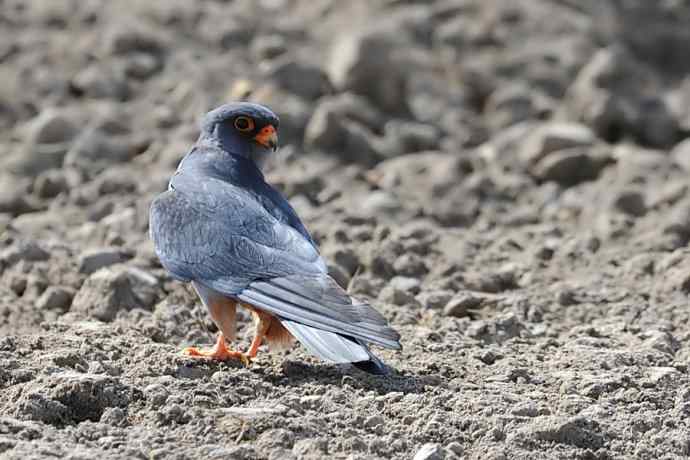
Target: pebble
<point x="429" y="451"/>
<point x="56" y="298"/>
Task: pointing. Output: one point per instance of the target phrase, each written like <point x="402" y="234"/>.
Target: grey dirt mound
<point x="506" y="181"/>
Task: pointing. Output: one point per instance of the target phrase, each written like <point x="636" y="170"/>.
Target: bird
<point x="221" y="227"/>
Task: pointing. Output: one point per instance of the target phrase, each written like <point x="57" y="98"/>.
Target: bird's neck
<point x="212" y="161"/>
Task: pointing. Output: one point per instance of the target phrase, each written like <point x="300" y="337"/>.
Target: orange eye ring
<point x="244" y="124"/>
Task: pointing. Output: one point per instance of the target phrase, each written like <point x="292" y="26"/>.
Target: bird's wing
<point x="280" y="208"/>
<point x="223" y="238"/>
<point x="316" y="300"/>
<point x="225" y="242"/>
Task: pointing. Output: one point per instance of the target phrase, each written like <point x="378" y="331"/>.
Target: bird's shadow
<point x="297" y="373"/>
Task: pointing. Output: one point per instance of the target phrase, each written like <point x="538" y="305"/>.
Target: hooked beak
<point x="268" y="137"/>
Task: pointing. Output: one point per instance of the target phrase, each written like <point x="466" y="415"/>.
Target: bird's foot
<point x="218" y="355"/>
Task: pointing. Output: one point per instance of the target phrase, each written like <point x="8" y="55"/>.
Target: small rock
<point x="429" y="451"/>
<point x="142" y="65"/>
<point x="156" y="394"/>
<point x="407" y="137"/>
<point x="410" y="265"/>
<point x="72" y="397"/>
<point x="110" y="290"/>
<point x="406" y="283"/>
<point x="268" y="46"/>
<point x="461" y="304"/>
<point x="552" y="137"/>
<point x="657" y="375"/>
<point x="95" y="259"/>
<point x="434" y="300"/>
<point x="312" y="448"/>
<point x="101" y="81"/>
<point x="606" y="96"/>
<point x="681" y="154"/>
<point x="50" y="184"/>
<point x="26" y="250"/>
<point x="374" y="421"/>
<point x="53" y="126"/>
<point x="578" y="432"/>
<point x="366" y="63"/>
<point x="301" y="78"/>
<point x="631" y="202"/>
<point x="134" y="38"/>
<point x="330" y="130"/>
<point x="570" y="166"/>
<point x="113" y="416"/>
<point x="567" y="297"/>
<point x="95" y="150"/>
<point x="456" y="448"/>
<point x="48" y="139"/>
<point x="662" y="341"/>
<point x="525" y="409"/>
<point x="276" y="438"/>
<point x="380" y="203"/>
<point x="395" y="296"/>
<point x="510" y="104"/>
<point x="55" y="298"/>
<point x="348" y="259"/>
<point x="14" y="196"/>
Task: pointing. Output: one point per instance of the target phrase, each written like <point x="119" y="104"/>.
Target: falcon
<point x="221" y="227"/>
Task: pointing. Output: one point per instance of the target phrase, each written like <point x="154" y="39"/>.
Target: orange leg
<point x="263" y="323"/>
<point x="219" y="352"/>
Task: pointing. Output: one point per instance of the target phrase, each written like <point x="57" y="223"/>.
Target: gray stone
<point x="570" y="166"/>
<point x="101" y="81"/>
<point x="142" y="65"/>
<point x="577" y="431"/>
<point x="381" y="203"/>
<point x="366" y="63"/>
<point x="276" y="438"/>
<point x="14" y="196"/>
<point x="111" y="290"/>
<point x="552" y="137"/>
<point x="406" y="283"/>
<point x="434" y="300"/>
<point x="301" y="78"/>
<point x="407" y="137"/>
<point x="411" y="265"/>
<point x="429" y="451"/>
<point x="346" y="258"/>
<point x="461" y="304"/>
<point x="100" y="147"/>
<point x="310" y="447"/>
<point x="391" y="294"/>
<point x="53" y="126"/>
<point x="681" y="154"/>
<point x="268" y="46"/>
<point x="511" y="104"/>
<point x="95" y="259"/>
<point x="56" y="298"/>
<point x="72" y="397"/>
<point x="50" y="184"/>
<point x="48" y="138"/>
<point x="26" y="250"/>
<point x="631" y="202"/>
<point x="606" y="96"/>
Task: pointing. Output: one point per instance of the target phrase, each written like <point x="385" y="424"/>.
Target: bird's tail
<point x="335" y="348"/>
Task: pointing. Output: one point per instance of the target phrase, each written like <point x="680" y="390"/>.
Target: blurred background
<point x="499" y="178"/>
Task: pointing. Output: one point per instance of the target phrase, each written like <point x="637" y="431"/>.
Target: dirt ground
<point x="506" y="181"/>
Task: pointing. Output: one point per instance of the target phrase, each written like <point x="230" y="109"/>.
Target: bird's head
<point x="242" y="128"/>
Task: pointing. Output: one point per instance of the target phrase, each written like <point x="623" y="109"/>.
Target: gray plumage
<point x="222" y="226"/>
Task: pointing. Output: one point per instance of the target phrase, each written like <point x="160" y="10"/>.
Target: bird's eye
<point x="244" y="124"/>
